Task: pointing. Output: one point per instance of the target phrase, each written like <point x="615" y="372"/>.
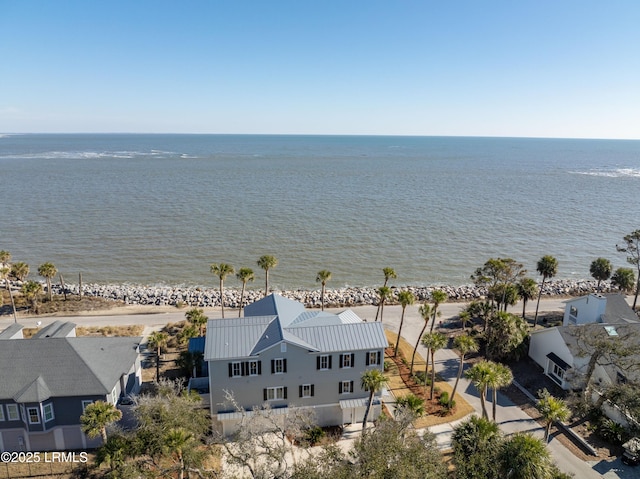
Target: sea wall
<point x="210" y="297"/>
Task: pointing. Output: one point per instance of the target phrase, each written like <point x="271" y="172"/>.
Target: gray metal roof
<point x="61" y="367"/>
<point x="311" y="330"/>
<point x="14" y="331"/>
<point x="57" y="329"/>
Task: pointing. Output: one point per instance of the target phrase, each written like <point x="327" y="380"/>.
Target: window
<point x="23" y="413"/>
<point x="347" y="360"/>
<point x="253" y="368"/>
<point x="34" y="417"/>
<point x="283" y="347"/>
<point x="12" y="412"/>
<point x="278" y="366"/>
<point x="114" y="396"/>
<point x="48" y="412"/>
<point x="274" y="394"/>
<point x="306" y="391"/>
<point x="1" y="413"/>
<point x="556" y="373"/>
<point x="323" y="362"/>
<point x="235" y="369"/>
<point x="373" y="357"/>
<point x="85" y="403"/>
<point x="573" y="314"/>
<point x="345" y="387"/>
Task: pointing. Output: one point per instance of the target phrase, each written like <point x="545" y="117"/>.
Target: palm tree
<point x="527" y="290"/>
<point x="524" y="456"/>
<point x="20" y="271"/>
<point x="389" y="273"/>
<point x="438" y="296"/>
<point x="244" y="275"/>
<point x="463" y="344"/>
<point x="411" y="403"/>
<point x="548" y="268"/>
<point x="5" y="270"/>
<point x="158" y="340"/>
<point x="222" y="270"/>
<point x="552" y="410"/>
<point x="384" y="293"/>
<point x="322" y="277"/>
<point x="433" y="342"/>
<point x="632" y="248"/>
<point x="475" y="433"/>
<point x="406" y="298"/>
<point x="176" y="441"/>
<point x="600" y="270"/>
<point x="31" y="290"/>
<point x="480" y="376"/>
<point x="464" y="317"/>
<point x="500" y="377"/>
<point x="48" y="271"/>
<point x="96" y="417"/>
<point x="372" y="380"/>
<point x="425" y="312"/>
<point x="197" y="318"/>
<point x="623" y="279"/>
<point x="267" y="262"/>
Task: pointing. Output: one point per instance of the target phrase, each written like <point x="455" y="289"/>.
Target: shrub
<point x="314" y="435"/>
<point x="387" y="365"/>
<point x="612" y="431"/>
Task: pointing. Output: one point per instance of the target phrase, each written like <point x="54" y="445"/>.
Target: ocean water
<point x="153" y="209"/>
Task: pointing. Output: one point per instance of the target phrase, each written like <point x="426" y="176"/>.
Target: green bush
<point x="612" y="432"/>
<point x="314" y="435"/>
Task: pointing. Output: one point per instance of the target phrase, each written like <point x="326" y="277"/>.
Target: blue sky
<point x="545" y="68"/>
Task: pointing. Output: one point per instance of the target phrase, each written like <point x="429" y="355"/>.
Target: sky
<point x="543" y="68"/>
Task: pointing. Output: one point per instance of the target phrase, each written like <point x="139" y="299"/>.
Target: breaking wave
<point x="611" y="172"/>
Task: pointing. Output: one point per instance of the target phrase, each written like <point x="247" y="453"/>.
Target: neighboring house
<point x="562" y="351"/>
<point x="281" y="354"/>
<point x="48" y="380"/>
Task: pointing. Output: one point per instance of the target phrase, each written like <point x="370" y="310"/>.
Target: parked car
<point x="125" y="401"/>
<point x="631" y="454"/>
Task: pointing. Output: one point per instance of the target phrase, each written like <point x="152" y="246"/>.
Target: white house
<point x="281" y="354"/>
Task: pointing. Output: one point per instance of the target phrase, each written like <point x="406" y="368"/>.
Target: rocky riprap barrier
<point x="344" y="297"/>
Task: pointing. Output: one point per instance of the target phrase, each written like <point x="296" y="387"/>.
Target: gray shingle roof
<point x="274" y="319"/>
<point x="61" y="367"/>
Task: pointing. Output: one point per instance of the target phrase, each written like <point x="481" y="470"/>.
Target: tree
<point x="48" y="271"/>
<point x="389" y="273"/>
<point x="505" y="337"/>
<point x="5" y="270"/>
<point x="96" y="417"/>
<point x="188" y="332"/>
<point x="197" y="318"/>
<point x="500" y="377"/>
<point x="527" y="290"/>
<point x="552" y="410"/>
<point x="504" y="295"/>
<point x="20" y="271"/>
<point x="412" y="403"/>
<point x="31" y="290"/>
<point x="176" y="442"/>
<point x="222" y="270"/>
<point x="322" y="277"/>
<point x="600" y="270"/>
<point x="463" y="344"/>
<point x="623" y="279"/>
<point x="548" y="268"/>
<point x="481" y="310"/>
<point x="267" y="262"/>
<point x="158" y="340"/>
<point x="632" y="248"/>
<point x="406" y="298"/>
<point x="384" y="294"/>
<point x="190" y="362"/>
<point x="425" y="312"/>
<point x="496" y="272"/>
<point x="437" y="297"/>
<point x="372" y="381"/>
<point x="480" y="375"/>
<point x="433" y="341"/>
<point x="476" y="443"/>
<point x="244" y="275"/>
<point x="524" y="456"/>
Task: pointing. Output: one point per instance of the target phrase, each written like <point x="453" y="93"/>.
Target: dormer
<point x="585" y="310"/>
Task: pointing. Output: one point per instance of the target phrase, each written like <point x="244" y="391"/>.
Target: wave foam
<point x="611" y="172"/>
<point x="92" y="155"/>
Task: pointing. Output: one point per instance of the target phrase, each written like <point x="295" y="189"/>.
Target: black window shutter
<point x="300" y="390"/>
<point x="312" y="390"/>
<point x="330" y="361"/>
<point x="259" y="367"/>
<point x="367" y="359"/>
<point x="284" y="365"/>
<point x="273" y="366"/>
<point x="351" y="386"/>
<point x="244" y="368"/>
<point x="353" y="360"/>
<point x="230" y="369"/>
<point x="340" y="387"/>
<point x="285" y="392"/>
<point x="378" y="358"/>
<point x="264" y="391"/>
<point x="318" y="362"/>
<point x="342" y="360"/>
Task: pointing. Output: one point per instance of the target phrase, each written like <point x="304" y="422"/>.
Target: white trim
<point x="275" y="391"/>
<point x="29" y="409"/>
<point x="44" y="412"/>
<point x="1" y="412"/>
<point x="250" y="363"/>
<point x="308" y="386"/>
<point x="12" y="412"/>
<point x="85" y="403"/>
<point x="324" y="357"/>
<point x="275" y="365"/>
<point x="235" y="364"/>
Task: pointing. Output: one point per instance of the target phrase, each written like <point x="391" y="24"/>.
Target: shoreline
<point x="176" y="296"/>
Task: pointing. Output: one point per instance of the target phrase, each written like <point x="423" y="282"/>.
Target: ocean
<point x="159" y="209"/>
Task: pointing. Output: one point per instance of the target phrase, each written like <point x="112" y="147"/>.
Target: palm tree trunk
<point x="49" y="289"/>
<point x="366" y="412"/>
<point x="322" y="297"/>
<point x="64" y="289"/>
<point x="221" y="298"/>
<point x="455" y="386"/>
<point x="493" y="406"/>
<point x="483" y="402"/>
<point x="395" y="352"/>
<point x="103" y="434"/>
<point x="266" y="283"/>
<point x="426" y="370"/>
<point x="13" y="304"/>
<point x="433" y="372"/>
<point x="524" y="307"/>
<point x="241" y="299"/>
<point x="535" y="318"/>
<point x="416" y="347"/>
<point x="547" y="431"/>
<point x="158" y="364"/>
